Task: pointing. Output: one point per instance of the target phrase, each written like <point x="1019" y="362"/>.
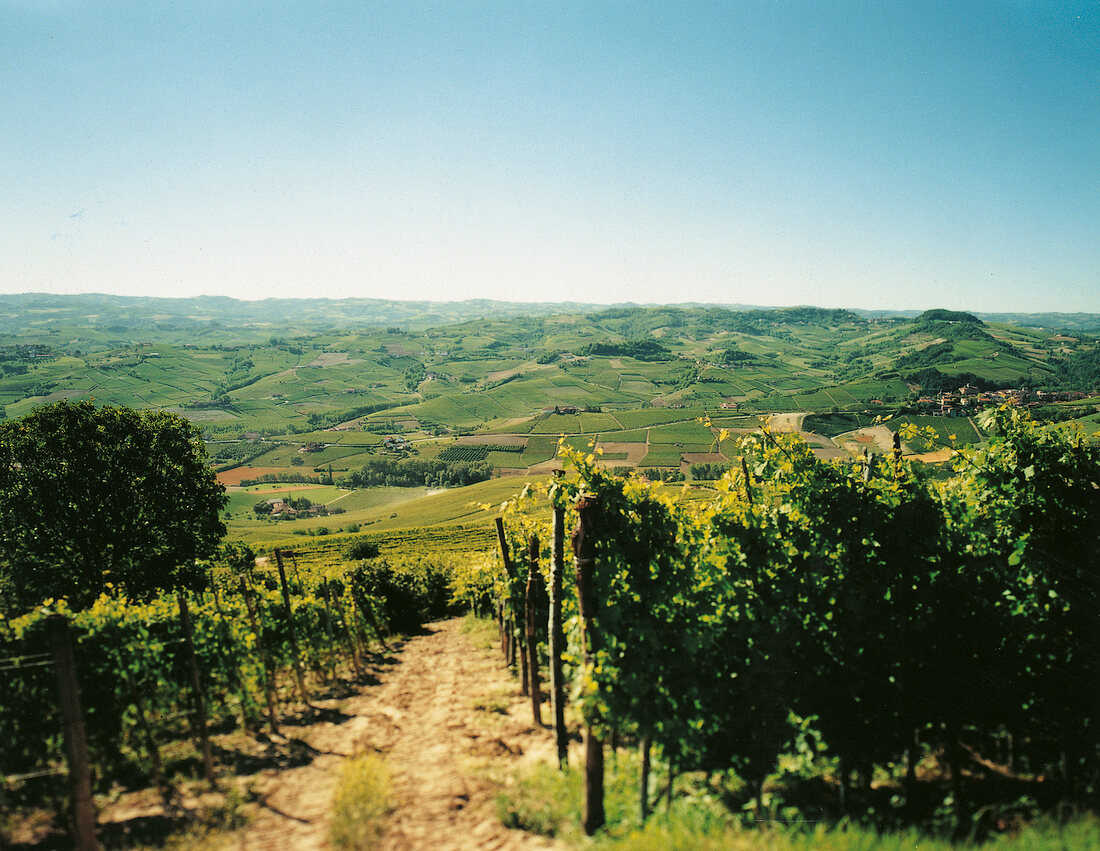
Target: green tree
<point x="240" y="557"/>
<point x="97" y="497"/>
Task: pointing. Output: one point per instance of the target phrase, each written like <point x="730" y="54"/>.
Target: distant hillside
<point x="380" y="367"/>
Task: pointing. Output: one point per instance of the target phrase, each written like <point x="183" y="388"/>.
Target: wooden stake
<point x="584" y="551"/>
<point x="76" y="747"/>
<point x="196" y="684"/>
<point x="503" y="542"/>
<point x="557" y="639"/>
<point x="505" y="615"/>
<point x="521" y="649"/>
<point x="534" y="582"/>
<point x="514" y="634"/>
<point x="594" y="815"/>
<point x="647" y="745"/>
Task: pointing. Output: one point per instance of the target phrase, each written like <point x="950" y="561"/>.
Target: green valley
<point x="310" y="393"/>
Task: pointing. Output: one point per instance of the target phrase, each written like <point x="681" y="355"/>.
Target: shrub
<point x="362" y="549"/>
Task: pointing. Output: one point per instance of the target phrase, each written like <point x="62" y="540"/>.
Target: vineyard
<point x="847" y="642"/>
<point x="810" y="642"/>
<point x="157" y="675"/>
<point x="476" y="451"/>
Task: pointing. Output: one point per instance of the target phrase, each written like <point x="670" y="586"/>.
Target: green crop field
<point x="664" y="455"/>
<point x="317" y="553"/>
<point x="831" y="425"/>
<point x="961" y="428"/>
<point x="558" y="424"/>
<point x="368" y="508"/>
<point x="469" y="452"/>
<point x="593" y="422"/>
<point x="507" y="460"/>
<point x="681" y="433"/>
<point x="735" y="422"/>
<point x="512" y="426"/>
<point x="456" y="505"/>
<point x="539" y="448"/>
<point x="656" y="416"/>
<point x="637" y="435"/>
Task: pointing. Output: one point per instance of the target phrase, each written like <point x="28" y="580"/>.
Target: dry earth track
<point x="423" y="717"/>
<point x="443" y="712"/>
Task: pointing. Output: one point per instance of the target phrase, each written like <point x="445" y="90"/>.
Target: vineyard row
<point x="867" y="619"/>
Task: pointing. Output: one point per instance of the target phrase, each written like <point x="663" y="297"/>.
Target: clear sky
<point x="842" y="154"/>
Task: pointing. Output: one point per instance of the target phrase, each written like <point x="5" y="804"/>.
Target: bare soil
<point x="635" y="452"/>
<point x="442" y="711"/>
<point x="234" y="477"/>
<point x="786" y="422"/>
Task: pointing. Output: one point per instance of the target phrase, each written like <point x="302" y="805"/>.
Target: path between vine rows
<point x="423" y="716"/>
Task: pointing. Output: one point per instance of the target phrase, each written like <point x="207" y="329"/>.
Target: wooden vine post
<point x="503" y="608"/>
<point x="290" y="629"/>
<point x="748" y="481"/>
<point x="511" y="650"/>
<point x="584" y="551"/>
<point x="76" y="747"/>
<point x="556" y="638"/>
<point x="534" y="582"/>
<point x="201" y="730"/>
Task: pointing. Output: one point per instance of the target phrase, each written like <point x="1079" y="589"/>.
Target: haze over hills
<point x="22" y="312"/>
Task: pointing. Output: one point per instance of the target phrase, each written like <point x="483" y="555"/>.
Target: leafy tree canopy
<point x="1081" y="371"/>
<point x="648" y="350"/>
<point x="96" y="497"/>
<point x="942" y="315"/>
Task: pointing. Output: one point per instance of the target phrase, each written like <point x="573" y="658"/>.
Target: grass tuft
<point x="361" y="803"/>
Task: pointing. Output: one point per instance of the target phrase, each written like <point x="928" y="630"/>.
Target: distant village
<point x="968" y="398"/>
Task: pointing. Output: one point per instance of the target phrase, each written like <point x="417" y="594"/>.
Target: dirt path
<point x="423" y="717"/>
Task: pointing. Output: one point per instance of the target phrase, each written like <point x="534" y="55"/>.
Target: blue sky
<point x="874" y="155"/>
